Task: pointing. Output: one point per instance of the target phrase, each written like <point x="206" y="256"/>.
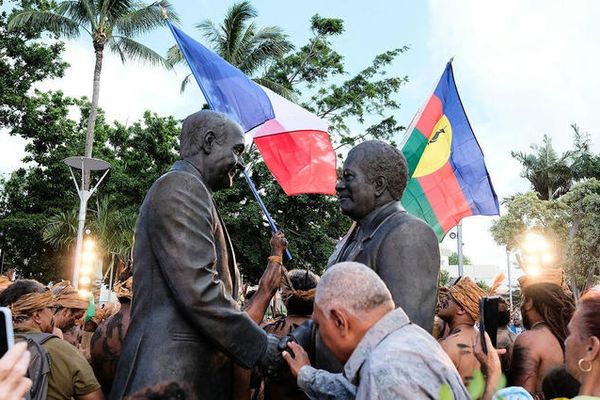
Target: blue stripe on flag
<point x="225" y="88"/>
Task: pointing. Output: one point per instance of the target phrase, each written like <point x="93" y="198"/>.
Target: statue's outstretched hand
<point x="298" y="360"/>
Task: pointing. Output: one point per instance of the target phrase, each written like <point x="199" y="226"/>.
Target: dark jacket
<point x="404" y="252"/>
<point x="186" y="325"/>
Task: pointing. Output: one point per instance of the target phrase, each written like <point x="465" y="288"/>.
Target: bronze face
<point x="355" y="192"/>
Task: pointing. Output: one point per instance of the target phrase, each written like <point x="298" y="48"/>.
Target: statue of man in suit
<point x="401" y="249"/>
<point x="186" y="325"/>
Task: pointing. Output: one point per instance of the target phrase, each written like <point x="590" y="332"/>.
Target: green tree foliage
<point x="316" y="73"/>
<point x="444" y="278"/>
<point x="570" y="223"/>
<point x="563" y="206"/>
<point x="453" y="259"/>
<point x="583" y="251"/>
<point x="312" y="223"/>
<point x="108" y="23"/>
<point x="548" y="173"/>
<point x="42" y="197"/>
<point x="551" y="175"/>
<point x="24" y="60"/>
<point x="241" y="43"/>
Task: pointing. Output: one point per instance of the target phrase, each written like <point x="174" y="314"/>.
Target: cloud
<point x="523" y="69"/>
<point x="126" y="90"/>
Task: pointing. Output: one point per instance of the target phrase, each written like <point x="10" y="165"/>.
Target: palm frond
<point x="174" y="55"/>
<point x="115" y="47"/>
<point x="137" y="51"/>
<point x="266" y="45"/>
<point x="81" y="11"/>
<point x="61" y="230"/>
<point x="234" y="24"/>
<point x="45" y="20"/>
<point x="184" y="83"/>
<point x="212" y="34"/>
<point x="112" y="10"/>
<point x="139" y="21"/>
<point x="277" y="88"/>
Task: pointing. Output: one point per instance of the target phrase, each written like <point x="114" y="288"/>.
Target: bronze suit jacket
<point x="186" y="325"/>
<point x="404" y="252"/>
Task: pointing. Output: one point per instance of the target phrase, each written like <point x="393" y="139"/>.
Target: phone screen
<point x="3" y="334"/>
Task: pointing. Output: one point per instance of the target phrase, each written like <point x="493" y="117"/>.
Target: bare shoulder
<point x="526" y="338"/>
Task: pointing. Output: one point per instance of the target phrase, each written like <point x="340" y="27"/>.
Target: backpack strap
<point x="35" y="340"/>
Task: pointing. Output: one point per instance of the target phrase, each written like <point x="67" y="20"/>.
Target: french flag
<point x="293" y="142"/>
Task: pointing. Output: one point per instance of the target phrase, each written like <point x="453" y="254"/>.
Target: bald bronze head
<point x="212" y="143"/>
<point x="374" y="174"/>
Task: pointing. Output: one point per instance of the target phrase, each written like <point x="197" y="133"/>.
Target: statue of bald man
<point x="186" y="325"/>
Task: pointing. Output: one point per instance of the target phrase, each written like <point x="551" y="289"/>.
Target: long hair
<point x="554" y="306"/>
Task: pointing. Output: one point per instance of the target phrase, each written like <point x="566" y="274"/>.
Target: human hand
<point x="13" y="366"/>
<point x="300" y="360"/>
<point x="490" y="362"/>
<point x="278" y="244"/>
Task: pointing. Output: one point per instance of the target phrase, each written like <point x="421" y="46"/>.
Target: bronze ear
<point x="380" y="185"/>
<point x="209" y="138"/>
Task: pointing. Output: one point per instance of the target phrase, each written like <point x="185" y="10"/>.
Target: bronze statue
<point x="401" y="249"/>
<point x="186" y="325"/>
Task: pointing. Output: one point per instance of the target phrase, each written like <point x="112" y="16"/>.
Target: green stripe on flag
<point x="416" y="203"/>
<point x="413" y="150"/>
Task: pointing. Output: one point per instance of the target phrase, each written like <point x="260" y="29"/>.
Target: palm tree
<point x="241" y="43"/>
<point x="549" y="174"/>
<point x="112" y="229"/>
<point x="108" y="22"/>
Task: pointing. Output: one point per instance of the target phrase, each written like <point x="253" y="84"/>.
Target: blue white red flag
<point x="293" y="142"/>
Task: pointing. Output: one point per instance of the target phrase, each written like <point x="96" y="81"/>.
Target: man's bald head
<point x="354" y="287"/>
<point x="197" y="124"/>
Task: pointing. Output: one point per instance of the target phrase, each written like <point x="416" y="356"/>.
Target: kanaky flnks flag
<point x="293" y="142"/>
<point x="448" y="179"/>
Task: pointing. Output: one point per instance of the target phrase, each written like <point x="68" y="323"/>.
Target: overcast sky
<point x="523" y="69"/>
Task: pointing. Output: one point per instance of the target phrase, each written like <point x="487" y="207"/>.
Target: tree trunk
<point x="91" y="124"/>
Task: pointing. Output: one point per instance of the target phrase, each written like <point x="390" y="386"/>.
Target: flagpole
<point x="459" y="244"/>
<point x="288" y="255"/>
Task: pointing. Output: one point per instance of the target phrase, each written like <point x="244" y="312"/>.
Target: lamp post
<point x="86" y="165"/>
<point x="459" y="247"/>
<point x="508" y="270"/>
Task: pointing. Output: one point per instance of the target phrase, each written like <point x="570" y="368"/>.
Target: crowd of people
<point x="375" y="325"/>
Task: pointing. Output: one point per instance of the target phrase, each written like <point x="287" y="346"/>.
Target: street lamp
<point x="536" y="253"/>
<point x="88" y="259"/>
<point x="459" y="247"/>
<point x="86" y="165"/>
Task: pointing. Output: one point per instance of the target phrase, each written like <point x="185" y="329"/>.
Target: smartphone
<point x="488" y="320"/>
<point x="7" y="337"/>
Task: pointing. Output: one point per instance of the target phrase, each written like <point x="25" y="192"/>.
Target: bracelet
<point x="275" y="259"/>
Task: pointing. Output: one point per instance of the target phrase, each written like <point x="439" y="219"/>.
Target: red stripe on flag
<point x="431" y="115"/>
<point x="301" y="161"/>
<point x="445" y="196"/>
